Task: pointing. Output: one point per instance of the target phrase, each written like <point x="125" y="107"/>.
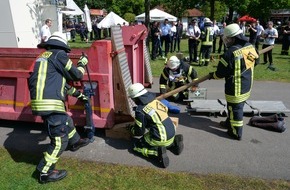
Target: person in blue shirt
<point x="165" y="36"/>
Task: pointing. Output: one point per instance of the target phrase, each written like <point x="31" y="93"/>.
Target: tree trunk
<point x="212" y="9"/>
<point x="147" y="18"/>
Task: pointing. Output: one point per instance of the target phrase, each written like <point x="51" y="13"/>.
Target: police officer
<point x="151" y="115"/>
<point x="237" y="67"/>
<point x="174" y="75"/>
<point x="207" y="35"/>
<point x="48" y="89"/>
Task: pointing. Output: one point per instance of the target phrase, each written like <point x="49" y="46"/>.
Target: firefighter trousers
<point x="148" y="147"/>
<point x="234" y="121"/>
<point x="205" y="51"/>
<point x="62" y="133"/>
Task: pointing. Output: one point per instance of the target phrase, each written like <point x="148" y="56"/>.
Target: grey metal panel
<point x="118" y="46"/>
<point x="251" y="106"/>
<point x="148" y="71"/>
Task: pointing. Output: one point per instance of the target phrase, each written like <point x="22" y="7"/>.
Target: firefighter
<point x="207" y="35"/>
<point x="151" y="115"/>
<point x="176" y="74"/>
<point x="237" y="67"/>
<point x="48" y="89"/>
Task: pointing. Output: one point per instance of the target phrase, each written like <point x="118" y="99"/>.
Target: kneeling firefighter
<point x="174" y="75"/>
<point x="48" y="90"/>
<point x="151" y="115"/>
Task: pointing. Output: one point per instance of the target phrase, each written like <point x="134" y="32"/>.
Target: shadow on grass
<point x="23" y="142"/>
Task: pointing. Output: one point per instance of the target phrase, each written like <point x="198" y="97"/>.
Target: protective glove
<point x="80" y="96"/>
<point x="83" y="97"/>
<point x="83" y="61"/>
<point x="211" y="75"/>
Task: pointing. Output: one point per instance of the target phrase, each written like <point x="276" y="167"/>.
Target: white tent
<point x="112" y="19"/>
<point x="73" y="8"/>
<point x="156" y="15"/>
<point x="88" y="18"/>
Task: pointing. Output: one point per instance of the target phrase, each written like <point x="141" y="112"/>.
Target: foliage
<point x="219" y="12"/>
<point x="129" y="17"/>
<point x="178" y="7"/>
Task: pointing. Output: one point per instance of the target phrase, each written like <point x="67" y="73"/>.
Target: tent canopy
<point x="112" y="19"/>
<point x="156" y="15"/>
<point x="247" y="18"/>
<point x="74" y="9"/>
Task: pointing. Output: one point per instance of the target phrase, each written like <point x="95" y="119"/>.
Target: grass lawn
<point x="17" y="174"/>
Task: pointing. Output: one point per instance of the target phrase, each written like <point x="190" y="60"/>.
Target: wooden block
<point x="119" y="131"/>
<point x="175" y="121"/>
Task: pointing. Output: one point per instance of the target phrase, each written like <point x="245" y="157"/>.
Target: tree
<point x="219" y="13"/>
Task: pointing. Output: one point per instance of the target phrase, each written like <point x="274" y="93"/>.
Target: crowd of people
<point x="206" y="37"/>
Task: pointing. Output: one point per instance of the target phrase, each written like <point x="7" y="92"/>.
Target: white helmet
<point x="59" y="36"/>
<point x="173" y="62"/>
<point x="232" y="30"/>
<point x="207" y="20"/>
<point x="136" y="90"/>
<point x="57" y="39"/>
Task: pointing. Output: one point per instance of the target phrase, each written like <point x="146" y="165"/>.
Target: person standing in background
<point x="253" y="33"/>
<point x="165" y="36"/>
<point x="286" y="39"/>
<point x="216" y="32"/>
<point x="221" y="34"/>
<point x="269" y="34"/>
<point x="178" y="36"/>
<point x="172" y="36"/>
<point x="193" y="33"/>
<point x="45" y="30"/>
<point x="260" y="30"/>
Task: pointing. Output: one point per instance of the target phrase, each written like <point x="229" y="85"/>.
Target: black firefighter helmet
<point x="56" y="41"/>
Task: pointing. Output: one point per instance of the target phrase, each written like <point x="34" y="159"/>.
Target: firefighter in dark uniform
<point x="174" y="75"/>
<point x="154" y="125"/>
<point x="207" y="35"/>
<point x="237" y="67"/>
<point x="48" y="89"/>
<point x="286" y="40"/>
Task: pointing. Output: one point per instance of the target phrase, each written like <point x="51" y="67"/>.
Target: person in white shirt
<point x="172" y="36"/>
<point x="216" y="32"/>
<point x="221" y="34"/>
<point x="260" y="30"/>
<point x="45" y="30"/>
<point x="269" y="34"/>
<point x="193" y="32"/>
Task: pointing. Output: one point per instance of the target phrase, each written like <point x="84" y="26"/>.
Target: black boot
<point x="178" y="145"/>
<point x="55" y="175"/>
<point x="162" y="157"/>
<point x="79" y="144"/>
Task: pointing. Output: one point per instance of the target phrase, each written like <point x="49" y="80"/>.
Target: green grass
<point x="95" y="175"/>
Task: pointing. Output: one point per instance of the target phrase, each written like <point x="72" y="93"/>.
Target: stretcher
<point x="252" y="107"/>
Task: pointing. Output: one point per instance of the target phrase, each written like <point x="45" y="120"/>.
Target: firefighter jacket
<point x="151" y="115"/>
<point x="52" y="70"/>
<point x="207" y="36"/>
<point x="237" y="67"/>
<point x="174" y="79"/>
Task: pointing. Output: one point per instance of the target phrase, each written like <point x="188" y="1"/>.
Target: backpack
<point x="273" y="122"/>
